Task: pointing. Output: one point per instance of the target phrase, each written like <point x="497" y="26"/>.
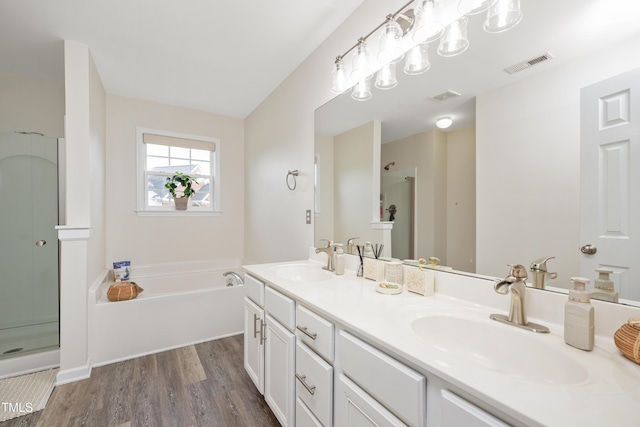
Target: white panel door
<point x="253" y="343"/>
<point x="610" y="179"/>
<point x="279" y="377"/>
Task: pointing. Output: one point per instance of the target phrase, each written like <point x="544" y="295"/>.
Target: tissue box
<point x="373" y="269"/>
<point x="420" y="281"/>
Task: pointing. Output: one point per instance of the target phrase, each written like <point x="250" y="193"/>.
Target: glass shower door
<point x="28" y="244"/>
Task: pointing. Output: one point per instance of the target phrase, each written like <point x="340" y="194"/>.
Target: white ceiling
<point x="223" y="56"/>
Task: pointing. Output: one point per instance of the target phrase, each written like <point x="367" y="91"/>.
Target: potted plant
<point x="180" y="185"/>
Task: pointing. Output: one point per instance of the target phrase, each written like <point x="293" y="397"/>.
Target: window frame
<point x="142" y="209"/>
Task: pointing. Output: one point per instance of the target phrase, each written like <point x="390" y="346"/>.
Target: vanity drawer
<point x="382" y="376"/>
<point x="314" y="383"/>
<point x="304" y="416"/>
<point x="255" y="289"/>
<point x="315" y="332"/>
<point x="280" y="307"/>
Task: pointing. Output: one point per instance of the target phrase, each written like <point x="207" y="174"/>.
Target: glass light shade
<point x="472" y="7"/>
<point x="339" y="78"/>
<point x="390" y="38"/>
<point x="417" y="61"/>
<point x="361" y="68"/>
<point x="503" y="16"/>
<point x="454" y="40"/>
<point x="362" y="90"/>
<point x="386" y="77"/>
<point x="444" y="122"/>
<point x="427" y="24"/>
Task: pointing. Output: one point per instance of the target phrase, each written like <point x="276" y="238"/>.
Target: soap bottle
<point x="603" y="288"/>
<point x="338" y="262"/>
<point x="578" y="316"/>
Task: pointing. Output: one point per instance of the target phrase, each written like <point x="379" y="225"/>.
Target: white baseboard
<point x="76" y="374"/>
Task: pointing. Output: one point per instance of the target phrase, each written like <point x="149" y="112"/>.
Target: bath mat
<point x="25" y="394"/>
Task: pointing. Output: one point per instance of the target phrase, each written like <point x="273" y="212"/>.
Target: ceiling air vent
<point x="444" y="96"/>
<point x="528" y="63"/>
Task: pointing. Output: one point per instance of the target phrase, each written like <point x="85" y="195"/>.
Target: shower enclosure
<point x="398" y="189"/>
<point x="29" y="303"/>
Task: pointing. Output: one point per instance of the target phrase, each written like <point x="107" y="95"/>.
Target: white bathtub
<point x="175" y="309"/>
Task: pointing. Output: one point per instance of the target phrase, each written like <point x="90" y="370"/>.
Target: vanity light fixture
<point x="444" y="122"/>
<point x="410" y="30"/>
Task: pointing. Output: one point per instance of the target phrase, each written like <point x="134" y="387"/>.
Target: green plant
<point x="181" y="181"/>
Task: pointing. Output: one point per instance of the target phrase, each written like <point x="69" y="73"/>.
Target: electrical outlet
<point x="308" y="216"/>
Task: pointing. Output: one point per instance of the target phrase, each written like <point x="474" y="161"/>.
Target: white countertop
<point x="608" y="396"/>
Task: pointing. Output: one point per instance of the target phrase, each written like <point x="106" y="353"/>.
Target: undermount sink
<point x="490" y="345"/>
<point x="302" y="272"/>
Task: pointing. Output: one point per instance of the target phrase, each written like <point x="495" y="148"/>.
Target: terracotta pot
<point x="181" y="203"/>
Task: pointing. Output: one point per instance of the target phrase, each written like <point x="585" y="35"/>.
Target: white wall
<point x="528" y="164"/>
<point x="280" y="136"/>
<point x="324" y="211"/>
<point x="461" y="199"/>
<point x="153" y="240"/>
<point x="353" y="168"/>
<point x="31" y="105"/>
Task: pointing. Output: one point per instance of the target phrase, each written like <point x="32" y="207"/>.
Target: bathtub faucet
<point x="239" y="280"/>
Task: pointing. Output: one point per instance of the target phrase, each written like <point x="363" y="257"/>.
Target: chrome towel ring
<point x="292" y="173"/>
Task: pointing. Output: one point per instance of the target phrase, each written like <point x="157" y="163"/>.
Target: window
<point x="161" y="154"/>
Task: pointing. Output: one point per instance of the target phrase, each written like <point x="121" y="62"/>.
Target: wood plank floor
<point x="199" y="385"/>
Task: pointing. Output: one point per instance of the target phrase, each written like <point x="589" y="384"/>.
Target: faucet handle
<point x="329" y="242"/>
<point x="518" y="272"/>
<point x="540" y="264"/>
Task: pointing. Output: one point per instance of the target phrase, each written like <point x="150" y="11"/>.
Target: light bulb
<point x="361" y="68"/>
<point x="503" y="16"/>
<point x="362" y="90"/>
<point x="454" y="41"/>
<point x="339" y="78"/>
<point x="390" y="37"/>
<point x="444" y="122"/>
<point x="428" y="26"/>
<point x="386" y="77"/>
<point x="472" y="7"/>
<point x="417" y="61"/>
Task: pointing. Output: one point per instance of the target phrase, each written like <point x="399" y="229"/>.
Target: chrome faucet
<point x="515" y="284"/>
<point x="239" y="280"/>
<point x="539" y="272"/>
<point x="329" y="251"/>
<point x="351" y="246"/>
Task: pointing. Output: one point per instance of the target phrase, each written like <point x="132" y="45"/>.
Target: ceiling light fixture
<point x="444" y="122"/>
<point x="410" y="29"/>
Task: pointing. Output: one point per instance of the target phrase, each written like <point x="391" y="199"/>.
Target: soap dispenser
<point x="603" y="288"/>
<point x="578" y="316"/>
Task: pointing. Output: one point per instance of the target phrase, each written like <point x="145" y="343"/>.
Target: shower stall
<point x="398" y="194"/>
<point x="29" y="283"/>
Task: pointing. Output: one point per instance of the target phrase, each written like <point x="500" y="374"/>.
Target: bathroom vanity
<point x="343" y="354"/>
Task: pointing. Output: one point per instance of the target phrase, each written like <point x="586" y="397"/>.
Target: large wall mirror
<point x="511" y="181"/>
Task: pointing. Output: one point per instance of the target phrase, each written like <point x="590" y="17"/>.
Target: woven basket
<point x="123" y="291"/>
<point x="627" y="339"/>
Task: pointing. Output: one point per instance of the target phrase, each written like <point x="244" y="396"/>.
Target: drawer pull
<point x="263" y="335"/>
<point x="255" y="330"/>
<point x="311" y="389"/>
<point x="303" y="329"/>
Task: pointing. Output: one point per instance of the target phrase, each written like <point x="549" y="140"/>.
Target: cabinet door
<point x="457" y="412"/>
<point x="355" y="408"/>
<point x="253" y="343"/>
<point x="279" y="378"/>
